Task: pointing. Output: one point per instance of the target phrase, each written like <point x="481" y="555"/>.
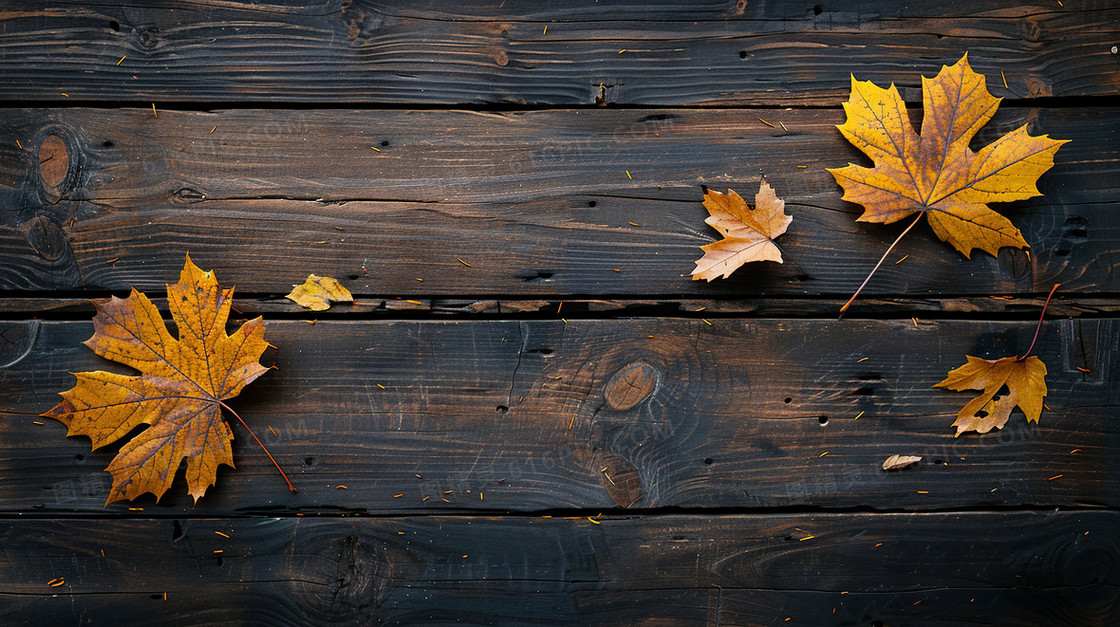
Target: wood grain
<point x="499" y="415"/>
<point x="671" y="53"/>
<point x="1008" y="568"/>
<point x="541" y="204"/>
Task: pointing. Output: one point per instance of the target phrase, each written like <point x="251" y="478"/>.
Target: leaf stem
<point x="881" y="260"/>
<point x="246" y="425"/>
<point x="1040" y="317"/>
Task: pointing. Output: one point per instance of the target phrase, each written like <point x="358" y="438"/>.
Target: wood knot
<point x="1039" y="88"/>
<point x="47" y="238"/>
<point x="620" y="479"/>
<point x="631" y="385"/>
<point x="54" y="167"/>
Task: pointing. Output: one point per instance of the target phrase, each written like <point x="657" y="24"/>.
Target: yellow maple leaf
<point x="936" y="173"/>
<point x="748" y="234"/>
<point x="1024" y="380"/>
<point x="317" y="293"/>
<point x="179" y="392"/>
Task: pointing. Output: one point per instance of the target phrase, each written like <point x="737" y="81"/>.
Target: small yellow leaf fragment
<point x="898" y="462"/>
<point x="317" y="292"/>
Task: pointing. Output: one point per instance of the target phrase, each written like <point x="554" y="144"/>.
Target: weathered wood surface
<point x="997" y="568"/>
<point x="539" y="204"/>
<point x="670" y="53"/>
<point x="600" y="414"/>
<point x="710" y="454"/>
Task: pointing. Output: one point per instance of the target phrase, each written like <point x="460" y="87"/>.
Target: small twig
<point x="1040" y="317"/>
<point x="247" y="428"/>
<point x="881" y="260"/>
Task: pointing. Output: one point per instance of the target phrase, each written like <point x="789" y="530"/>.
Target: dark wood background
<point x="568" y="430"/>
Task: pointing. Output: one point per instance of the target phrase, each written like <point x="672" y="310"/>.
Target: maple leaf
<point x="317" y="293"/>
<point x="748" y="234"/>
<point x="180" y="390"/>
<point x="936" y="173"/>
<point x="1024" y="380"/>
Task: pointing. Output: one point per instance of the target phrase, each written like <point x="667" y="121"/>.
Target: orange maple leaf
<point x="179" y="392"/>
<point x="748" y="234"/>
<point x="936" y="173"/>
<point x="1024" y="380"/>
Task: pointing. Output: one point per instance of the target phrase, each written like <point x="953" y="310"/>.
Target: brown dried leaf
<point x="180" y="389"/>
<point x="896" y="462"/>
<point x="317" y="293"/>
<point x="1025" y="382"/>
<point x="748" y="234"/>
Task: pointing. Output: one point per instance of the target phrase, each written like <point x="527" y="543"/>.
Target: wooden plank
<point x="530" y="415"/>
<point x="63" y="307"/>
<point x="1021" y="568"/>
<point x="540" y="204"/>
<point x="557" y="53"/>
